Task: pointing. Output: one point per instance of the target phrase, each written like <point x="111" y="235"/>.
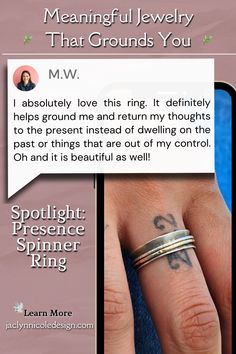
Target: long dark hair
<point x="25" y="72"/>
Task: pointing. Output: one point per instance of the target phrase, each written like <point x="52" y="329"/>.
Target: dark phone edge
<point x="232" y="92"/>
<point x="100" y="262"/>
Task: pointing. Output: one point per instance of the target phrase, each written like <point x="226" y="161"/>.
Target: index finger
<point x="118" y="315"/>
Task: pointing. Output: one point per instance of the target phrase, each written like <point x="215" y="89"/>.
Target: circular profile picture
<point x="25" y="78"/>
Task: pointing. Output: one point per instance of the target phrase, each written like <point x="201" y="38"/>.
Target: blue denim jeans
<point x="146" y="339"/>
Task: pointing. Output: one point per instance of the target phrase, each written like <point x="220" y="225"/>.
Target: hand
<point x="188" y="292"/>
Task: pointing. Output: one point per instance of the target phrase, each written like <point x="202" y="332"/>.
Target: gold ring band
<point x="159" y="241"/>
<point x="164" y="251"/>
<point x="189" y="238"/>
<point x="164" y="254"/>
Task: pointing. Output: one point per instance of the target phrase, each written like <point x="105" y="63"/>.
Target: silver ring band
<point x="168" y="243"/>
<point x="161" y="246"/>
<point x="159" y="241"/>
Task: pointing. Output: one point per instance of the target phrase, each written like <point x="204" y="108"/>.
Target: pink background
<point x="74" y="290"/>
<point x="212" y="17"/>
<point x="33" y="74"/>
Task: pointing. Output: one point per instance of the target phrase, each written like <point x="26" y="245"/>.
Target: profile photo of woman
<point x="25" y="83"/>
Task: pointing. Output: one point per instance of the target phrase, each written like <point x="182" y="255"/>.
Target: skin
<point x="26" y="78"/>
<point x="188" y="292"/>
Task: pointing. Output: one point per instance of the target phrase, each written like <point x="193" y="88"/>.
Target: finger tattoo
<point x="160" y="221"/>
<point x="175" y="259"/>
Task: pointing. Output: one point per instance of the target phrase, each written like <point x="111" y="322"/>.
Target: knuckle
<point x="209" y="197"/>
<point x="198" y="325"/>
<point x="153" y="192"/>
<point x="203" y="185"/>
<point x="117" y="311"/>
<point x="142" y="189"/>
<point x="204" y="195"/>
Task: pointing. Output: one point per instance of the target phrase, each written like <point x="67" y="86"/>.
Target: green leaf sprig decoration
<point x="27" y="38"/>
<point x="207" y="39"/>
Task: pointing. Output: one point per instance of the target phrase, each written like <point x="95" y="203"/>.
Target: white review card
<point x="109" y="116"/>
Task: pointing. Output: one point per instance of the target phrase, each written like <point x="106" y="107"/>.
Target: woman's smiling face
<point x="25" y="78"/>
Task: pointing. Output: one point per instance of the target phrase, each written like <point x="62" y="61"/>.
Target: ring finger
<point x="175" y="289"/>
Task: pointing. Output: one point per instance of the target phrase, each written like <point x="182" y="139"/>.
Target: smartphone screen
<point x="224" y="108"/>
